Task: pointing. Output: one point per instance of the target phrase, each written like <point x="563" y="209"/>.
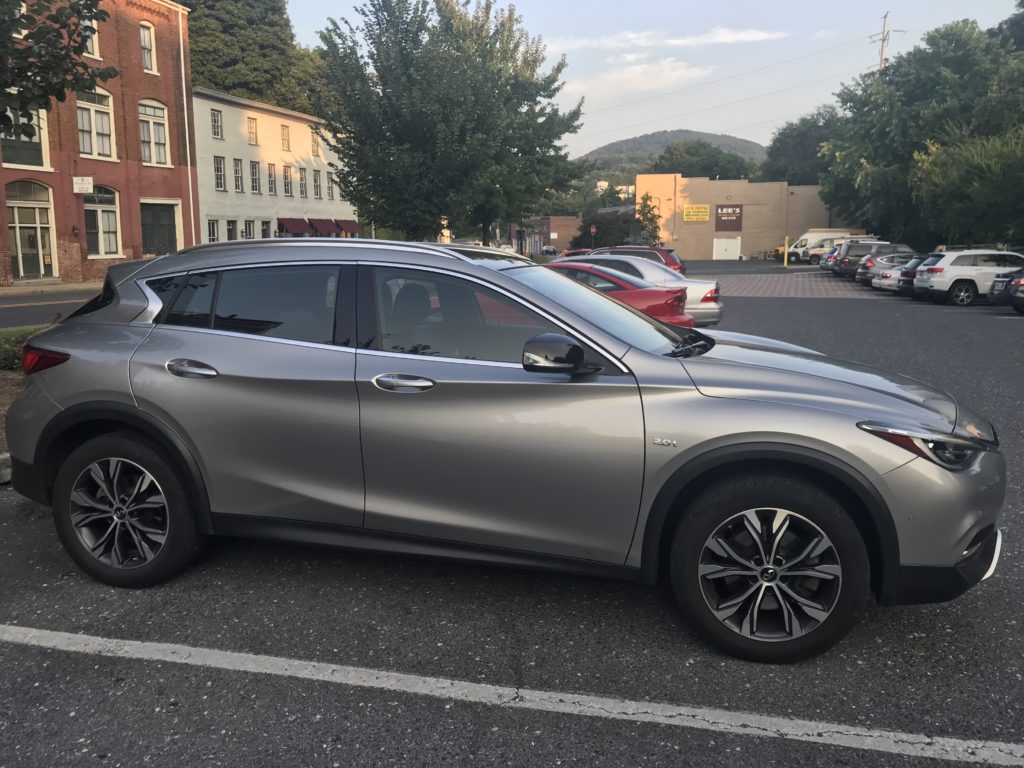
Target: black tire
<point x="718" y="506"/>
<point x="939" y="298"/>
<point x="182" y="540"/>
<point x="1018" y="310"/>
<point x="962" y="293"/>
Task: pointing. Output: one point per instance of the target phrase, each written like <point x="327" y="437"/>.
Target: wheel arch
<point x="72" y="426"/>
<point x="851" y="488"/>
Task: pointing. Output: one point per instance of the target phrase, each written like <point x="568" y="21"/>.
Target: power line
<point x="725" y="104"/>
<point x="728" y="77"/>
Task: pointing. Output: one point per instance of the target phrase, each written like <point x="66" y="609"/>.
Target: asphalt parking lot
<point x="952" y="673"/>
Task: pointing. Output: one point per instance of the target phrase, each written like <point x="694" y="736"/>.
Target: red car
<point x="664" y="304"/>
<point x="573" y="252"/>
<point x="665" y="256"/>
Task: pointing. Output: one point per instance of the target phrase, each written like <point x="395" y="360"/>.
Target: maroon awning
<point x="348" y="226"/>
<point x="325" y="226"/>
<point x="295" y="226"/>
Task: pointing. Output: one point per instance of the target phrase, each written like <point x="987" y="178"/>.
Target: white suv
<point x="959" y="277"/>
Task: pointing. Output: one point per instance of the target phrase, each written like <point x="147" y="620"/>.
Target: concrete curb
<point x="5" y="468"/>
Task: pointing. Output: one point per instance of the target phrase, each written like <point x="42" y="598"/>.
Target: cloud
<point x="640" y="77"/>
<point x="626" y="39"/>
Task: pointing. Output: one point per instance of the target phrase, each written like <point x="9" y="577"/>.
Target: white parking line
<point x="718" y="720"/>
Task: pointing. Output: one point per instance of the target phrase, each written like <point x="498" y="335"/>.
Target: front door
<point x="263" y="390"/>
<point x="461" y="444"/>
<point x="159" y="231"/>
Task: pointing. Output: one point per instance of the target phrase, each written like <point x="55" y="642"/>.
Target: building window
<point x="248" y="230"/>
<point x="317" y="189"/>
<point x="330" y="188"/>
<point x="302" y="182"/>
<point x="153" y="133"/>
<point x="148" y="39"/>
<point x="254" y="176"/>
<point x="18" y="149"/>
<point x="286" y="141"/>
<point x="29" y="213"/>
<point x="92" y="40"/>
<point x="315" y="142"/>
<point x="232" y="229"/>
<point x="219" y="182"/>
<point x="101" y="240"/>
<point x="265" y="229"/>
<point x="217" y="123"/>
<point x="253" y="136"/>
<point x="21" y="12"/>
<point x="271" y="179"/>
<point x="239" y="180"/>
<point x="95" y="124"/>
<point x="212" y="231"/>
<point x="288" y="180"/>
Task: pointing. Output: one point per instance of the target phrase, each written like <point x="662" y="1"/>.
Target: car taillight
<point x="886" y="276"/>
<point x="34" y="359"/>
<point x="711" y="296"/>
<point x="935" y="270"/>
<point x="678" y="300"/>
<point x="910" y="273"/>
<point x="869" y="263"/>
<point x="676" y="267"/>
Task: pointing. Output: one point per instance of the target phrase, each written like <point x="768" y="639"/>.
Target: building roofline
<point x="171" y="4"/>
<point x="227" y="98"/>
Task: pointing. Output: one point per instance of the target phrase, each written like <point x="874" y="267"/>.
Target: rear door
<point x="461" y="444"/>
<point x="262" y="387"/>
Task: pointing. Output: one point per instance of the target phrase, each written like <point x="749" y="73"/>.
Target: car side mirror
<point x="554" y="353"/>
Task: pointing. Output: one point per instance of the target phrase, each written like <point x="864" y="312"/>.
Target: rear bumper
<point x="704" y="314"/>
<point x="27" y="480"/>
<point x="1000" y="299"/>
<point x="913" y="584"/>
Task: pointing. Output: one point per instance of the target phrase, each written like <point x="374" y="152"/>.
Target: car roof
<point x="635" y="282"/>
<point x="973" y="252"/>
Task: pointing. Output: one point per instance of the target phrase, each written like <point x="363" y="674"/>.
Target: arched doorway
<point x="30" y="230"/>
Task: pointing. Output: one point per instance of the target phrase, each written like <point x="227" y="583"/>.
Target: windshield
<point x="616" y="319"/>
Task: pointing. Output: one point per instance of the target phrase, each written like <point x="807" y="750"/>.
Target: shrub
<point x="11" y="341"/>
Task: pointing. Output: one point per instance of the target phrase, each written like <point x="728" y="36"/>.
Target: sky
<point x="742" y="68"/>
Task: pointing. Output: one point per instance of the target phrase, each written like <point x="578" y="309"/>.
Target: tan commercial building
<point x="706" y="219"/>
<point x="541" y="231"/>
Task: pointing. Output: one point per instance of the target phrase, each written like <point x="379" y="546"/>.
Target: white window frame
<point x="94" y="40"/>
<point x="213" y="231"/>
<point x="50" y="227"/>
<point x="102" y="208"/>
<point x="220" y="176"/>
<point x="330" y="187"/>
<point x="152" y="122"/>
<point x="271" y="179"/>
<point x="286" y="138"/>
<point x="287" y="177"/>
<point x="318" y="190"/>
<point x="254" y="177"/>
<point x="248" y="229"/>
<point x="315" y="142"/>
<point x="217" y="123"/>
<point x="303" y="191"/>
<point x="265" y="230"/>
<point x="143" y="27"/>
<point x="22" y="10"/>
<point x="252" y="128"/>
<point x="239" y="174"/>
<point x="93" y="110"/>
<point x="43" y="135"/>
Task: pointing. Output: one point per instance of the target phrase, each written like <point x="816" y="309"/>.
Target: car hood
<point x="753" y="368"/>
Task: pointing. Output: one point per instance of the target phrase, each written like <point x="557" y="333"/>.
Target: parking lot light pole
<point x="785" y="253"/>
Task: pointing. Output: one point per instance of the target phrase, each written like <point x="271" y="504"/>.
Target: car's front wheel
<point x="769" y="568"/>
<point x="122" y="512"/>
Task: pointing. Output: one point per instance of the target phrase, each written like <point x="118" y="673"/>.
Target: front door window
<point x="29" y="219"/>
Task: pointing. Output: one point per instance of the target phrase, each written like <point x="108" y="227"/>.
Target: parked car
<point x="484" y="252"/>
<point x="960" y="277"/>
<point x="827" y="258"/>
<point x="887" y="279"/>
<point x="921" y="290"/>
<point x="1008" y="289"/>
<point x="573" y="252"/>
<point x="665" y="256"/>
<point x="405" y="398"/>
<point x="703" y="300"/>
<point x="851" y="253"/>
<point x="870" y="266"/>
<point x="905" y="282"/>
<point x="664" y="304"/>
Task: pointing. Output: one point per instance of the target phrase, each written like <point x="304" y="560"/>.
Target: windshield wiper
<point x="692" y="344"/>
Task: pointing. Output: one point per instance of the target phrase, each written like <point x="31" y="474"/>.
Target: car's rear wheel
<point x="769" y="568"/>
<point x="123" y="513"/>
<point x="963" y="293"/>
<point x="1018" y="310"/>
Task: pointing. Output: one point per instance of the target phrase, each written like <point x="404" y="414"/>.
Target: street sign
<point x="81" y="185"/>
<point x="593" y="229"/>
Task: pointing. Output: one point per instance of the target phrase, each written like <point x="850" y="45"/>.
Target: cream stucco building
<point x="264" y="172"/>
<point x="703" y="218"/>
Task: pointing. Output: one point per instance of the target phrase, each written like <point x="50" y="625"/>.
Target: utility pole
<point x="883" y="39"/>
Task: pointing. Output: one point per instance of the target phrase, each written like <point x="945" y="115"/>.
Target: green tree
<point x="699" y="158"/>
<point x="612" y="229"/>
<point x="443" y="110"/>
<point x="42" y="57"/>
<point x="794" y="154"/>
<point x="610" y="197"/>
<point x="649" y="219"/>
<point x="247" y="48"/>
<point x="1013" y="27"/>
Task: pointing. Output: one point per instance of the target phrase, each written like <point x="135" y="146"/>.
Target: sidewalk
<point x="43" y="287"/>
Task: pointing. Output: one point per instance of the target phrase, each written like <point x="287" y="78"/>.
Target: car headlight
<point x="948" y="451"/>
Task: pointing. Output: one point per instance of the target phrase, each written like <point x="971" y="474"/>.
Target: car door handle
<point x="191" y="369"/>
<point x="402" y="382"/>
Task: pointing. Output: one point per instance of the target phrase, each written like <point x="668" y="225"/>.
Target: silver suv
<point x="406" y="398"/>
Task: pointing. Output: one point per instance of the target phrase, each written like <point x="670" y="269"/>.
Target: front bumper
<point x="913" y="584"/>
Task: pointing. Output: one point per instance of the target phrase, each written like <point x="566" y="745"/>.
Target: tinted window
<point x="294" y="303"/>
<point x="858" y="250"/>
<point x="966" y="260"/>
<point x="1012" y="260"/>
<point x="621" y="266"/>
<point x="931" y="261"/>
<point x="990" y="260"/>
<point x="105" y="298"/>
<point x="423" y="313"/>
<point x="192" y="306"/>
<point x="599" y="282"/>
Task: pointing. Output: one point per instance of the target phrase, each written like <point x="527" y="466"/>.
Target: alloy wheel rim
<point x="963" y="295"/>
<point x="770" y="574"/>
<point x="119" y="513"/>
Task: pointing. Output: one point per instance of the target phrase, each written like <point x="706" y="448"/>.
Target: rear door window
<point x="964" y="260"/>
<point x="194" y="302"/>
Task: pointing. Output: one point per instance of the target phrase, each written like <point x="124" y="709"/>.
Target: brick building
<point x="111" y="173"/>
